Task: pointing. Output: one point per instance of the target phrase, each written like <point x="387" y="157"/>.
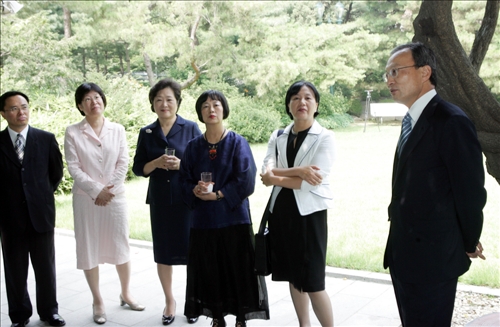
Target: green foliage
<point x="250" y="50"/>
<point x="252" y="120"/>
<point x="333" y="111"/>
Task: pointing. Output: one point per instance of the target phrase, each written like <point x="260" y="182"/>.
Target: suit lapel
<point x="176" y="127"/>
<point x="416" y="134"/>
<point x="31" y="148"/>
<point x="7" y="147"/>
<point x="304" y="149"/>
<point x="281" y="144"/>
<point x="158" y="133"/>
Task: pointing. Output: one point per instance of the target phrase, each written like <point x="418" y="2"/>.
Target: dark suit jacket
<point x="163" y="185"/>
<point x="31" y="185"/>
<point x="437" y="197"/>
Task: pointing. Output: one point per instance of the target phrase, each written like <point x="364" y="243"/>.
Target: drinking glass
<point x="206" y="177"/>
<point x="170" y="151"/>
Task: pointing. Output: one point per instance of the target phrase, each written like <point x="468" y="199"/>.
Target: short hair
<point x="163" y="84"/>
<point x="214" y="95"/>
<point x="422" y="56"/>
<point x="82" y="91"/>
<point x="9" y="94"/>
<point x="295" y="89"/>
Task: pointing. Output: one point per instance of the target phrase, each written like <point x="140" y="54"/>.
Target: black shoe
<point x="54" y="320"/>
<point x="167" y="320"/>
<point x="192" y="320"/>
<point x="20" y="324"/>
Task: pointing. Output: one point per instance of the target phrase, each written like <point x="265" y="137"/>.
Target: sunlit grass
<point x="358" y="224"/>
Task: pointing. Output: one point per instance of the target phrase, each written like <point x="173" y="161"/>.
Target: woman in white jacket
<point x="298" y="163"/>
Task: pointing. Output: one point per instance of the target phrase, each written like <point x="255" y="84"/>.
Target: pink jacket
<point x="95" y="162"/>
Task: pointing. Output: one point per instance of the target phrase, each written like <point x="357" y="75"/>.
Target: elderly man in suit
<point x="30" y="168"/>
<point x="437" y="193"/>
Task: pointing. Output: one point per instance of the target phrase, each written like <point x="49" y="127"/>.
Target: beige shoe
<point x="133" y="306"/>
<point x="99" y="319"/>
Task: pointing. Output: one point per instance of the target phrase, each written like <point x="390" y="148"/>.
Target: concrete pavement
<point x="358" y="298"/>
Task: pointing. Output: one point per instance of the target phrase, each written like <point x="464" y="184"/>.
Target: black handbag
<point x="262" y="246"/>
<point x="262" y="239"/>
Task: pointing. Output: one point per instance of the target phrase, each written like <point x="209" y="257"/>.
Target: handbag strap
<point x="266" y="214"/>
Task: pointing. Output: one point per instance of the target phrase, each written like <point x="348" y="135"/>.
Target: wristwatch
<point x="217" y="196"/>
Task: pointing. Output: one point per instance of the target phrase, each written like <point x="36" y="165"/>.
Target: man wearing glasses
<point x="30" y="170"/>
<point x="437" y="193"/>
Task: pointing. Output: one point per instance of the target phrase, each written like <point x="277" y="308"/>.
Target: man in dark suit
<point x="437" y="193"/>
<point x="30" y="170"/>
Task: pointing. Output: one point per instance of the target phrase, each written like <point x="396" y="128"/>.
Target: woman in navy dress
<point x="170" y="217"/>
<point x="220" y="270"/>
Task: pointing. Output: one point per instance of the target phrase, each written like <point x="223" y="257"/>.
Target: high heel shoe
<point x="167" y="320"/>
<point x="98" y="319"/>
<point x="133" y="306"/>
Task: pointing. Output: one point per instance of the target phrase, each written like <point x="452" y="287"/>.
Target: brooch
<point x="149" y="131"/>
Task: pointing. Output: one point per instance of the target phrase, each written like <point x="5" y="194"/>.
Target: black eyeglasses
<point x="393" y="72"/>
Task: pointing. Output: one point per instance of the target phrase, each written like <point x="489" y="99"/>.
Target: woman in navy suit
<point x="170" y="217"/>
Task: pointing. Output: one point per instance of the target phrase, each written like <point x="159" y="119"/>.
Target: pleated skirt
<point x="220" y="275"/>
<point x="101" y="233"/>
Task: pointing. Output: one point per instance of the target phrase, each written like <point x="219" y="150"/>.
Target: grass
<point x="358" y="225"/>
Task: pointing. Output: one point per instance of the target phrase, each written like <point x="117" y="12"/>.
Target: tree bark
<point x="84" y="63"/>
<point x="67" y="22"/>
<point x="127" y="58"/>
<point x="457" y="79"/>
<point x="149" y="69"/>
<point x="194" y="43"/>
<point x="485" y="34"/>
<point x="105" y="70"/>
<point x="96" y="59"/>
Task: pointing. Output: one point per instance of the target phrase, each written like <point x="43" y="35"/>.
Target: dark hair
<point x="163" y="84"/>
<point x="9" y="94"/>
<point x="422" y="56"/>
<point x="295" y="89"/>
<point x="214" y="95"/>
<point x="82" y="91"/>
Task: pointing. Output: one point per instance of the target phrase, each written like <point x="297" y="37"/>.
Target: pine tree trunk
<point x="457" y="80"/>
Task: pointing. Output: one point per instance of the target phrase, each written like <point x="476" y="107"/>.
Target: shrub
<point x="253" y="120"/>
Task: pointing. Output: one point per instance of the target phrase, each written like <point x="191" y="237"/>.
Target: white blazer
<point x="317" y="149"/>
<point x="96" y="161"/>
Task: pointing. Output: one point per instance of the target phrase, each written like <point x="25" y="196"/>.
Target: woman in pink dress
<point x="97" y="157"/>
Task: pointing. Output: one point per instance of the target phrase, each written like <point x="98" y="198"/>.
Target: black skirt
<point x="298" y="244"/>
<point x="170" y="226"/>
<point x="220" y="275"/>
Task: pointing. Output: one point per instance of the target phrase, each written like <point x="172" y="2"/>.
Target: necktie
<point x="20" y="147"/>
<point x="405" y="132"/>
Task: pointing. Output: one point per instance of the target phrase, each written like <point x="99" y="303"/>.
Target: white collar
<point x="13" y="134"/>
<point x="418" y="106"/>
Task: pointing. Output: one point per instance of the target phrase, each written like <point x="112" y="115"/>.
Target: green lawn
<point x="358" y="224"/>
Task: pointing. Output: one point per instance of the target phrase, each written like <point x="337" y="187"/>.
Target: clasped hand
<point x="202" y="191"/>
<point x="478" y="253"/>
<point x="168" y="162"/>
<point x="311" y="175"/>
<point x="105" y="196"/>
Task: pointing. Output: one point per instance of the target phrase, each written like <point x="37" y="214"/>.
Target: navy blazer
<point x="31" y="184"/>
<point x="163" y="185"/>
<point x="437" y="197"/>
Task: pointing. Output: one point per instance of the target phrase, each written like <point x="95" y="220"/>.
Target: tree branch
<point x="194" y="43"/>
<point x="457" y="79"/>
<point x="485" y="34"/>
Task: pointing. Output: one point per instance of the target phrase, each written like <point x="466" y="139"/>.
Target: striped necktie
<point x="20" y="147"/>
<point x="405" y="132"/>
